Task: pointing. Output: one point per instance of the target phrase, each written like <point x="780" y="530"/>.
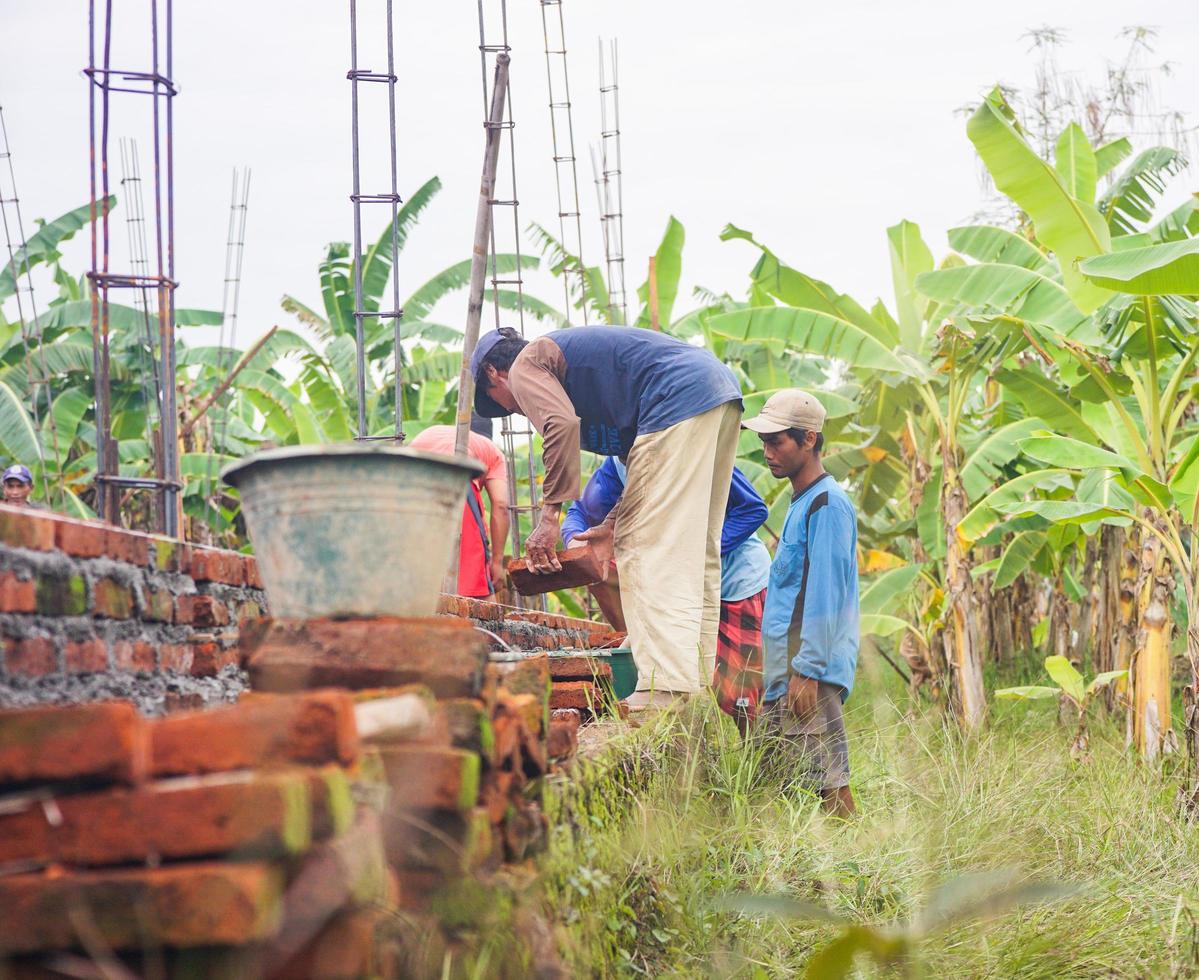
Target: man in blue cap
<point x="18" y="484"/>
<point x="674" y="411"/>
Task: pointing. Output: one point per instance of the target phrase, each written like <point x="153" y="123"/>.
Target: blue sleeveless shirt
<point x="628" y="381"/>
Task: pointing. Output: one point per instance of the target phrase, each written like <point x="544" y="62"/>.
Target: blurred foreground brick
<point x="247" y="814"/>
<point x="102" y="742"/>
<point x="446" y="655"/>
<point x="204" y="904"/>
<point x="307" y="729"/>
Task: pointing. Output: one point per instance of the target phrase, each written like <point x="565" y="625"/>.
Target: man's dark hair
<point x="799" y="434"/>
<point x="504" y="353"/>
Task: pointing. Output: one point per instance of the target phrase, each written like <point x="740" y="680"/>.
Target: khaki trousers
<point x="667" y="540"/>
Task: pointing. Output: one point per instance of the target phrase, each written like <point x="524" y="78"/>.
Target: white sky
<point x="814" y="126"/>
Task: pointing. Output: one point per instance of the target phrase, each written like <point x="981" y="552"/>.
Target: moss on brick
<point x="59" y="595"/>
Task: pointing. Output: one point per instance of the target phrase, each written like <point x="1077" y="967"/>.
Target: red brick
<point x="447" y="655"/>
<point x="201" y="610"/>
<point x="159" y="606"/>
<point x="309" y="729"/>
<point x="579" y="668"/>
<point x="34" y="656"/>
<point x="111" y="599"/>
<point x="452" y="605"/>
<point x="582" y="695"/>
<point x="179" y="906"/>
<point x="127" y="546"/>
<point x="104" y="741"/>
<point x="566" y="716"/>
<point x="562" y="741"/>
<point x="248" y="612"/>
<point x="208" y="658"/>
<point x="264" y="814"/>
<point x="605" y="639"/>
<point x="177" y="657"/>
<point x="135" y="656"/>
<point x="429" y="778"/>
<point x="17" y="596"/>
<point x="213" y="565"/>
<point x="83" y="540"/>
<point x="252" y="574"/>
<point x="529" y="675"/>
<point x="169" y="555"/>
<point x="469" y="724"/>
<point x="580" y="566"/>
<point x="21" y="527"/>
<point x="86" y="656"/>
<point x="486" y="611"/>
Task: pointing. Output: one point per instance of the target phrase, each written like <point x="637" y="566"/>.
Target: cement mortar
<point x="147" y="691"/>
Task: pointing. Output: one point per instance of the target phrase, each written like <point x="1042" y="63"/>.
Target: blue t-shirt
<point x="744" y="561"/>
<point x="815" y="628"/>
<point x="628" y="381"/>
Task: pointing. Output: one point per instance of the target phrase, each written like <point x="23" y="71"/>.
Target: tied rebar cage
<point x="18" y="280"/>
<point x="369" y="320"/>
<point x="517" y="436"/>
<point x="566" y="177"/>
<point x="158" y="85"/>
<point x="235" y="249"/>
<point x="610" y="181"/>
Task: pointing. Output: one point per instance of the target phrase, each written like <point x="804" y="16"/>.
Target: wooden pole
<point x="478" y="273"/>
<point x="653" y="293"/>
<point x="478" y="258"/>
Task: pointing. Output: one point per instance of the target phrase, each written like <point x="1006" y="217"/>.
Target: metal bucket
<point x="352" y="529"/>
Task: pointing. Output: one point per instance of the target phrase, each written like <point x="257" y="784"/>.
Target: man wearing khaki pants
<point x="674" y="410"/>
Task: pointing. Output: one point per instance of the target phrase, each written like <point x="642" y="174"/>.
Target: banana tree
<point x="425" y="357"/>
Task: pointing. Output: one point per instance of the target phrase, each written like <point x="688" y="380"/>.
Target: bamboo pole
<point x="478" y="272"/>
<point x="208" y="402"/>
<point x="478" y="258"/>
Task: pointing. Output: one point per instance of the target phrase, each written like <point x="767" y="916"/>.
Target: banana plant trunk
<point x="1152" y="734"/>
<point x="960" y="636"/>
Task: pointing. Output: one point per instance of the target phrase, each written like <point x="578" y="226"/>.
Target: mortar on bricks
<point x="354" y="529"/>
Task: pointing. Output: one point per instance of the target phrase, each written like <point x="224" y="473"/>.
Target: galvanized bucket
<point x="352" y="529"/>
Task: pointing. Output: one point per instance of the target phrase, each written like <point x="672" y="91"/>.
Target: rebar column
<point x="566" y="177"/>
<point x="392" y="198"/>
<point x="518" y="438"/>
<point x="158" y="84"/>
<point x="611" y="183"/>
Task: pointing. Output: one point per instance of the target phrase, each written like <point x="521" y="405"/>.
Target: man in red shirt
<point x="480" y="561"/>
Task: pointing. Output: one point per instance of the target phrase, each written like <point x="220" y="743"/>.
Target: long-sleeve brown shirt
<point x="536" y="381"/>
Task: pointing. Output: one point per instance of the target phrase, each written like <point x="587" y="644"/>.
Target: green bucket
<point x="624" y="671"/>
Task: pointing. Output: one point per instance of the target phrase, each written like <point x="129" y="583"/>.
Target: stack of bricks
<point x="242" y="841"/>
<point x="580" y="680"/>
<point x="466" y="798"/>
<point x="81" y="597"/>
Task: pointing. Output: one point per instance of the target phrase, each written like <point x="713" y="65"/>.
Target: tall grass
<point x="641" y="849"/>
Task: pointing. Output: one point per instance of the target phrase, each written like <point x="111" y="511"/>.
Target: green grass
<point x="645" y="846"/>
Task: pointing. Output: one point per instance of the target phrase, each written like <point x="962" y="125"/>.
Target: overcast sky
<point x="813" y="125"/>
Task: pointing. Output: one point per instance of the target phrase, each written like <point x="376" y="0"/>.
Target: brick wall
<point x="84" y="600"/>
<point x="82" y="597"/>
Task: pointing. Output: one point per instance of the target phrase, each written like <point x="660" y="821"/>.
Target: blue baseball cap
<point x="17" y="471"/>
<point x="485" y="405"/>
